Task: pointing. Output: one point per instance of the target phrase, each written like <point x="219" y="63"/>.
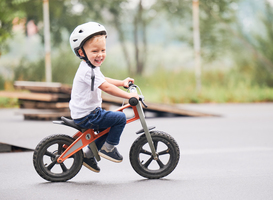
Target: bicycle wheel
<point x="45" y="159"/>
<point x="143" y="162"/>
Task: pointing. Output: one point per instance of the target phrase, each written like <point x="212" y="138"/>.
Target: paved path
<point x="227" y="158"/>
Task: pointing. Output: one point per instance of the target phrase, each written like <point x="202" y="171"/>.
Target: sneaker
<point x="91" y="164"/>
<point x="111" y="155"/>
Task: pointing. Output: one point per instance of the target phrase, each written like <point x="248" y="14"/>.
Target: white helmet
<point x="84" y="32"/>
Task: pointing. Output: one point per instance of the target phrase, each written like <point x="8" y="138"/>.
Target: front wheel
<point x="143" y="162"/>
<point x="45" y="159"/>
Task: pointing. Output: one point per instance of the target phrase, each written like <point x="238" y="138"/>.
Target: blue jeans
<point x="100" y="119"/>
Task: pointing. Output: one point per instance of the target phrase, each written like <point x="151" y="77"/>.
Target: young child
<point x="88" y="42"/>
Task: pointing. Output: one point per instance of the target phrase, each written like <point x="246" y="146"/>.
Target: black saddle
<point x="71" y="123"/>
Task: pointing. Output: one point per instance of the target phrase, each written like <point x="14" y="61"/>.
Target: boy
<point x="88" y="42"/>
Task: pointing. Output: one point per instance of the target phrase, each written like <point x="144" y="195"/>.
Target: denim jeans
<point x="100" y="119"/>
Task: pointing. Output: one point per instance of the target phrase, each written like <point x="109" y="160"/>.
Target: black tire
<point x="45" y="159"/>
<point x="143" y="162"/>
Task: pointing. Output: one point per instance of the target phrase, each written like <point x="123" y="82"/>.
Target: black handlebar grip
<point x="130" y="83"/>
<point x="133" y="101"/>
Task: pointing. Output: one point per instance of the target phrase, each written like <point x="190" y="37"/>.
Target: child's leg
<point x="100" y="141"/>
<point x="104" y="119"/>
<point x="117" y="122"/>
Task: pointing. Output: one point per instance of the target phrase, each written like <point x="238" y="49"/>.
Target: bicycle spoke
<point x="145" y="152"/>
<point x="167" y="151"/>
<point x="47" y="153"/>
<point x="63" y="167"/>
<point x="49" y="167"/>
<point x="161" y="165"/>
<point x="60" y="147"/>
<point x="148" y="162"/>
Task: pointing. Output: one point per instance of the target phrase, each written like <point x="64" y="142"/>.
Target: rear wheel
<point x="45" y="159"/>
<point x="143" y="162"/>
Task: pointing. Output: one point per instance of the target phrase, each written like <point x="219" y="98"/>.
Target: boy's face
<point x="95" y="50"/>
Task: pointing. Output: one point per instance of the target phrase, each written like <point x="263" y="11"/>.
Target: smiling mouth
<point x="99" y="61"/>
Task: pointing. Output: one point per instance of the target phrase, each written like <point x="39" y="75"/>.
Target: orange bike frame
<point x="89" y="136"/>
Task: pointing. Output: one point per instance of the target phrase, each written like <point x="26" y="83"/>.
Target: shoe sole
<point x="109" y="158"/>
<point x="92" y="169"/>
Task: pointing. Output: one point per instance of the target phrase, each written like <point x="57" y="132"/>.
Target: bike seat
<point x="71" y="123"/>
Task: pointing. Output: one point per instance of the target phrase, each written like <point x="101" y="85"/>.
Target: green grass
<point x="217" y="87"/>
<point x="8" y="102"/>
<point x="179" y="87"/>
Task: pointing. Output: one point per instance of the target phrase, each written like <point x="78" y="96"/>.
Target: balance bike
<point x="153" y="155"/>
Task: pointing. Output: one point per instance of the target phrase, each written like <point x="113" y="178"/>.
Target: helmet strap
<point x="91" y="66"/>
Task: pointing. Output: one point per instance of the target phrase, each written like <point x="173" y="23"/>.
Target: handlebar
<point x="133" y="101"/>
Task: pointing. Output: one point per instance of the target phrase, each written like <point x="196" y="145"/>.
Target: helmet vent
<point x="80" y="31"/>
<point x="75" y="40"/>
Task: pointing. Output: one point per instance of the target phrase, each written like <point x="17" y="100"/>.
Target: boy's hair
<point x="94" y="36"/>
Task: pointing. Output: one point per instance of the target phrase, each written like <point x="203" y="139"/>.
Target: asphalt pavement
<point x="228" y="158"/>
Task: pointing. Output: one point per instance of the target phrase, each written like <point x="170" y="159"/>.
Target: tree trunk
<point x="123" y="45"/>
<point x="140" y="40"/>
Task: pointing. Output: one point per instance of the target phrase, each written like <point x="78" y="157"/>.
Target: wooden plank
<point x="153" y="107"/>
<point x="156" y="107"/>
<point x="53" y="98"/>
<point x="48" y="116"/>
<point x="40" y="111"/>
<point x="43" y="87"/>
<point x="43" y="114"/>
<point x="37" y="84"/>
<point x="44" y="105"/>
<point x="34" y="96"/>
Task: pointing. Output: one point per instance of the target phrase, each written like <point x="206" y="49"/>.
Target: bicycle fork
<point x="146" y="130"/>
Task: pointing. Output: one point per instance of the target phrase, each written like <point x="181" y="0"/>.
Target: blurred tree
<point x="214" y="16"/>
<point x="131" y="21"/>
<point x="140" y="33"/>
<point x="116" y="17"/>
<point x="261" y="46"/>
<point x="64" y="15"/>
<point x="8" y="12"/>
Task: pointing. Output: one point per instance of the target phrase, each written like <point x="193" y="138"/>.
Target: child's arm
<point x="119" y="83"/>
<point x="115" y="91"/>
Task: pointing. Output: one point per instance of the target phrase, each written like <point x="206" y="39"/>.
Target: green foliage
<point x="30" y="71"/>
<point x="2" y="82"/>
<point x="63" y="16"/>
<point x="8" y="102"/>
<point x="217" y="87"/>
<point x="8" y="11"/>
<point x="64" y="65"/>
<point x="263" y="71"/>
<point x="215" y="18"/>
<point x="254" y="50"/>
<point x="249" y="80"/>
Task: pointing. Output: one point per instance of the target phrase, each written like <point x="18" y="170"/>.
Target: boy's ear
<point x="80" y="53"/>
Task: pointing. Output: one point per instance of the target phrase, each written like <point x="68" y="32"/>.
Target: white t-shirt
<point x="83" y="100"/>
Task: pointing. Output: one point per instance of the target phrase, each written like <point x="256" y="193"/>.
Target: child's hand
<point x="126" y="82"/>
